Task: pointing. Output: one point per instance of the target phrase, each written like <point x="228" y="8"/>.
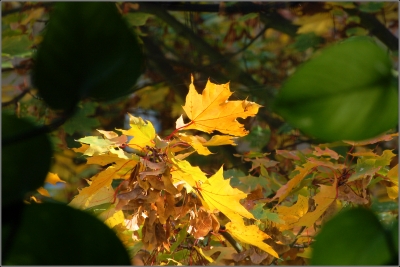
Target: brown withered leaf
<point x="152" y="217"/>
<point x="345" y="193"/>
<point x="169" y="205"/>
<point x="160" y="234"/>
<point x="155" y="182"/>
<point x="202" y="224"/>
<point x="169" y="187"/>
<point x="148" y="232"/>
<point x="152" y="195"/>
<point x="257" y="256"/>
<point x="161" y="210"/>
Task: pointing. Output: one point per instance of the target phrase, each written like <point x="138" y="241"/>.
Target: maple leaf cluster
<point x="159" y="190"/>
<point x="151" y="196"/>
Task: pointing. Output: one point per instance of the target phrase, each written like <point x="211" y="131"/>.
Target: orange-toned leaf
<point x="43" y="191"/>
<point x="211" y="111"/>
<point x="326" y="152"/>
<point x="250" y="234"/>
<point x="200" y="144"/>
<point x="53" y="179"/>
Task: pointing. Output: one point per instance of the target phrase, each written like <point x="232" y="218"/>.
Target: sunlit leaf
<point x="143" y="133"/>
<point x="219" y="195"/>
<point x="211" y="111"/>
<point x="322" y="200"/>
<point x="250" y="234"/>
<point x="289" y="216"/>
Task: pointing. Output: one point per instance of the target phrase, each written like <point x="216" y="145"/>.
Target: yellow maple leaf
<point x="115" y="219"/>
<point x="200" y="144"/>
<point x="250" y="234"/>
<point x="211" y="111"/>
<point x="142" y="131"/>
<point x="292" y="215"/>
<point x="99" y="191"/>
<point x="218" y="194"/>
<point x="319" y="23"/>
<point x="393" y="175"/>
<point x="323" y="200"/>
<point x="185" y="173"/>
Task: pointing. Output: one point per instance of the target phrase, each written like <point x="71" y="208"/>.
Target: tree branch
<point x="232" y="71"/>
<point x="376" y="28"/>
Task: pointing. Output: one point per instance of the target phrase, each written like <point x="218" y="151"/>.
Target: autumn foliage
<point x="152" y="197"/>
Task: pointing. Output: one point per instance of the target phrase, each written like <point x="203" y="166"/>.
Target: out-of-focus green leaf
<point x="81" y="120"/>
<point x="386" y="206"/>
<point x="354" y="237"/>
<point x="24" y="164"/>
<point x="252" y="182"/>
<point x="247" y="17"/>
<point x="355" y="31"/>
<point x="87" y="51"/>
<point x="306" y="40"/>
<point x="347" y="92"/>
<point x="137" y="18"/>
<point x="261" y="213"/>
<point x="54" y="234"/>
<point x="371" y="7"/>
<point x="258" y="137"/>
<point x="16" y="46"/>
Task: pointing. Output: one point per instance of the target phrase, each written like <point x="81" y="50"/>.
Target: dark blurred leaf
<point x="81" y="121"/>
<point x="347" y="92"/>
<point x="24" y="164"/>
<point x="54" y="234"/>
<point x="354" y="237"/>
<point x="87" y="51"/>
